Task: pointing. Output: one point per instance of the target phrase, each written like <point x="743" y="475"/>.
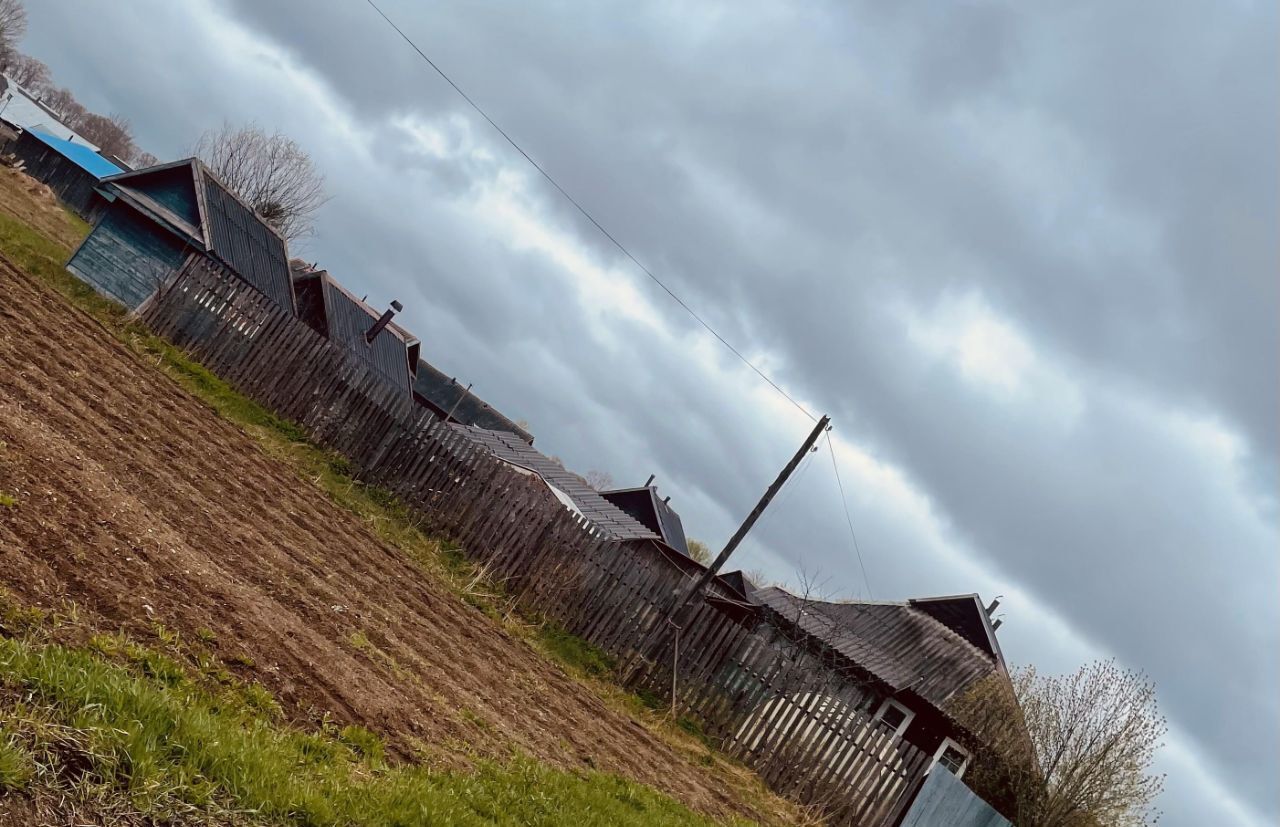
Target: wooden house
<point x="72" y="170"/>
<point x="350" y="323"/>
<point x="155" y="218"/>
<point x="604" y="517"/>
<point x="914" y="660"/>
<point x="21" y="110"/>
<point x="450" y="400"/>
<point x="653" y="512"/>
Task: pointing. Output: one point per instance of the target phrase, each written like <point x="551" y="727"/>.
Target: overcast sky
<point x="1025" y="257"/>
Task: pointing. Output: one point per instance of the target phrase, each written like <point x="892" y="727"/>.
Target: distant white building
<point x="19" y="108"/>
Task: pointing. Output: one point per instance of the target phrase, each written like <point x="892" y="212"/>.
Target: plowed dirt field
<point x="140" y="505"/>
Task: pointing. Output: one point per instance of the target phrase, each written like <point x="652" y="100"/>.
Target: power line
<point x="586" y="214"/>
<point x="848" y="519"/>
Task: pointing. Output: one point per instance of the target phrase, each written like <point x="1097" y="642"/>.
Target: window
<point x="893" y="718"/>
<point x="952" y="756"/>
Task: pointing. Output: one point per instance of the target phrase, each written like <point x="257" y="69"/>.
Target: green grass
<point x="145" y="735"/>
<point x="573" y="652"/>
<point x="7" y="500"/>
<point x="15" y="763"/>
<point x="45" y="258"/>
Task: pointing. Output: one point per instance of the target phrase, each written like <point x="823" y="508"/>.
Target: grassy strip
<point x="146" y="738"/>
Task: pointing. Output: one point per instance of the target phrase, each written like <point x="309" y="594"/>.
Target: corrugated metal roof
<point x="20" y="108"/>
<point x="610" y="519"/>
<point x="897" y="643"/>
<point x="78" y="154"/>
<point x="347" y="319"/>
<point x="447" y="394"/>
<point x="179" y="192"/>
<point x="244" y="242"/>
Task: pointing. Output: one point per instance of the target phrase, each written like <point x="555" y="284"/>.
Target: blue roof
<point x="82" y="156"/>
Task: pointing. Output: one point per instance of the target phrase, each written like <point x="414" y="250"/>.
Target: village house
<point x="71" y="170"/>
<point x="448" y="399"/>
<point x="653" y="512"/>
<point x="20" y="110"/>
<point x="605" y="517"/>
<point x="155" y="218"/>
<point x="353" y="325"/>
<point x="913" y="660"/>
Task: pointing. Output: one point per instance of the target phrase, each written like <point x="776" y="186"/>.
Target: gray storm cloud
<point x="1100" y="180"/>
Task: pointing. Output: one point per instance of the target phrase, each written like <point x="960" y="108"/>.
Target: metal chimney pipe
<point x="385" y="320"/>
<point x="649" y="481"/>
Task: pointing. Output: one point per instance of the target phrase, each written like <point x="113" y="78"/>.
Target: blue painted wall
<point x="127" y="256"/>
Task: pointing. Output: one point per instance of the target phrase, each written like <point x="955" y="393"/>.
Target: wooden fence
<point x="799" y="720"/>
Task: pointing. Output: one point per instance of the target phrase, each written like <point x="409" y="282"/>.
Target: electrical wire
<point x="848" y="518"/>
<point x="588" y="215"/>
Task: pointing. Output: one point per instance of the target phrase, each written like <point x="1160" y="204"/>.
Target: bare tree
<point x="1074" y="750"/>
<point x="111" y="133"/>
<point x="13" y="25"/>
<point x="699" y="551"/>
<point x="28" y="72"/>
<point x="271" y="172"/>
<point x="64" y="103"/>
<point x="599" y="480"/>
<point x="145" y="159"/>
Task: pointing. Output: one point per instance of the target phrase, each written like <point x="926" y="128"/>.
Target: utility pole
<point x="714" y="569"/>
<point x="466" y="391"/>
<point x="657" y="638"/>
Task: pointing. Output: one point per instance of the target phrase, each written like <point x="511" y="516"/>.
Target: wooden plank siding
<point x="125" y="258"/>
<point x="798" y="719"/>
<point x="74" y="186"/>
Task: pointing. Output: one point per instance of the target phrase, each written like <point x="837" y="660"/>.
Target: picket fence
<point x="788" y="712"/>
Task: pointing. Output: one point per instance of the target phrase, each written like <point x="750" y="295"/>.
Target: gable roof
<point x="213" y="219"/>
<point x="21" y="108"/>
<point x="444" y="394"/>
<point x="604" y="515"/>
<point x="78" y="154"/>
<point x="346" y="321"/>
<point x="901" y="645"/>
<point x="739" y="582"/>
<point x="654" y="513"/>
<point x="965" y="615"/>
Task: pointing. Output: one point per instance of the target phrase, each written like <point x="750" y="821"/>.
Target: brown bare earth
<point x="139" y="505"/>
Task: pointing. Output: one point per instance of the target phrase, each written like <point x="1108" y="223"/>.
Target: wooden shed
<point x="335" y="313"/>
<point x="71" y="170"/>
<point x="155" y="218"/>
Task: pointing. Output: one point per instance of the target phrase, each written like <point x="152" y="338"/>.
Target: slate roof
<point x="965" y="615"/>
<point x="78" y="154"/>
<point x="906" y="648"/>
<point x="245" y="242"/>
<point x="659" y="517"/>
<point x="444" y="393"/>
<point x="611" y="520"/>
<point x="226" y="228"/>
